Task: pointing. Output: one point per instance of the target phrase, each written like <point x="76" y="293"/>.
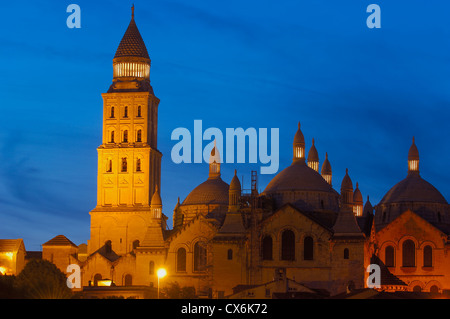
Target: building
<point x="299" y="236"/>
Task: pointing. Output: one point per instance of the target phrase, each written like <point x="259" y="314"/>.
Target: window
<point x="181" y="260"/>
<point x="267" y="248"/>
<point x="109" y="166"/>
<point x="124" y="164"/>
<point x="389" y="256"/>
<point x="112" y="112"/>
<point x="128" y="280"/>
<point x="138" y="165"/>
<point x="151" y="268"/>
<point x="346" y="253"/>
<point x="125" y="136"/>
<point x="230" y="254"/>
<point x="427" y="256"/>
<point x="308" y="248"/>
<point x="409" y="253"/>
<point x="288" y="245"/>
<point x="112" y="137"/>
<point x="108" y="247"/>
<point x="139" y="111"/>
<point x="139" y="136"/>
<point x="125" y="112"/>
<point x="199" y="256"/>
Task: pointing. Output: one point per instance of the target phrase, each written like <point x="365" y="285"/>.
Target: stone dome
<point x="212" y="191"/>
<point x="300" y="183"/>
<point x="413" y="189"/>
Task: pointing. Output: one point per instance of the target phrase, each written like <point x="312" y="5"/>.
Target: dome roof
<point x="413" y="153"/>
<point x="212" y="191"/>
<point x="413" y="189"/>
<point x="346" y="182"/>
<point x="235" y="183"/>
<point x="132" y="44"/>
<point x="299" y="138"/>
<point x="313" y="156"/>
<point x="357" y="196"/>
<point x="326" y="166"/>
<point x="298" y="177"/>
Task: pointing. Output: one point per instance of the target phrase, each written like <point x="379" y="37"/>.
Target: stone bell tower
<point x="129" y="163"/>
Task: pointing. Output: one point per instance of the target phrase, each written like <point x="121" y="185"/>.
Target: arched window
<point x="124" y="164"/>
<point x="199" y="256"/>
<point x="108" y="247"/>
<point x="346" y="253"/>
<point x="138" y="165"/>
<point x="151" y="268"/>
<point x="409" y="253"/>
<point x="139" y="111"/>
<point x="181" y="260"/>
<point x="230" y="254"/>
<point x="97" y="277"/>
<point x="428" y="256"/>
<point x="128" y="280"/>
<point x="135" y="244"/>
<point x="112" y="112"/>
<point x="125" y="111"/>
<point x="389" y="256"/>
<point x="267" y="246"/>
<point x="434" y="289"/>
<point x="139" y="136"/>
<point x="125" y="136"/>
<point x="112" y="137"/>
<point x="288" y="245"/>
<point x="308" y="248"/>
<point x="109" y="166"/>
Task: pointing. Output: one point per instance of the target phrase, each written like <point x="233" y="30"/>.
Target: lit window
<point x="125" y="136"/>
<point x="139" y="136"/>
<point x="124" y="164"/>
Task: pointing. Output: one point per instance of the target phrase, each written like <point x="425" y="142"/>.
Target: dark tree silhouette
<point x="41" y="279"/>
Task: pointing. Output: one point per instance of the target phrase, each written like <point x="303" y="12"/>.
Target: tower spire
<point x="132" y="11"/>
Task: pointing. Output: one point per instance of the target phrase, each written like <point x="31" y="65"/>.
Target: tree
<point x="41" y="279"/>
<point x="174" y="291"/>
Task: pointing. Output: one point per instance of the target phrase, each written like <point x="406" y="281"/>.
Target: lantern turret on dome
<point x="326" y="170"/>
<point x="313" y="157"/>
<point x="357" y="202"/>
<point x="214" y="162"/>
<point x="299" y="145"/>
<point x="413" y="158"/>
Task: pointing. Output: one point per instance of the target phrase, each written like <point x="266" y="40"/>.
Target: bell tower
<point x="129" y="163"/>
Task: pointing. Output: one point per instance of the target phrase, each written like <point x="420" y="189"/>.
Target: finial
<point x="326" y="155"/>
<point x="132" y="11"/>
<point x="413" y="140"/>
<point x="356" y="184"/>
<point x="346" y="171"/>
<point x="313" y="141"/>
<point x="298" y="125"/>
<point x="235" y="172"/>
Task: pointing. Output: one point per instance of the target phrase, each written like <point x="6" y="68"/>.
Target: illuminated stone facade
<point x="298" y="230"/>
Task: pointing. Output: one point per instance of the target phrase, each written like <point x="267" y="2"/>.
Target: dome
<point x="297" y="177"/>
<point x="212" y="191"/>
<point x="357" y="196"/>
<point x="346" y="182"/>
<point x="235" y="183"/>
<point x="313" y="156"/>
<point x="413" y="189"/>
<point x="299" y="138"/>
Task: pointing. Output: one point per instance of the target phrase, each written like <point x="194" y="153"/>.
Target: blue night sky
<point x="361" y="93"/>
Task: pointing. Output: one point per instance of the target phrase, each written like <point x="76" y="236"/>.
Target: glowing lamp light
<point x="161" y="273"/>
<point x="10" y="255"/>
<point x="104" y="283"/>
<point x="2" y="270"/>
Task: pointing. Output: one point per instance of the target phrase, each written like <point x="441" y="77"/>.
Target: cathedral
<point x="299" y="236"/>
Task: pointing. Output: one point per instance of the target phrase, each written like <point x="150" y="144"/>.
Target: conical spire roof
<point x="357" y="196"/>
<point x="235" y="184"/>
<point x="347" y="184"/>
<point x="326" y="166"/>
<point x="413" y="153"/>
<point x="313" y="156"/>
<point x="156" y="198"/>
<point x="368" y="208"/>
<point x="299" y="139"/>
<point x="132" y="44"/>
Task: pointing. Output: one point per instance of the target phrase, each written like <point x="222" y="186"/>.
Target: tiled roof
<point x="132" y="44"/>
<point x="60" y="240"/>
<point x="10" y="245"/>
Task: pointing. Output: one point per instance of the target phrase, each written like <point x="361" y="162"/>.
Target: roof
<point x="313" y="156"/>
<point x="211" y="191"/>
<point x="10" y="245"/>
<point x="298" y="177"/>
<point x="413" y="189"/>
<point x="299" y="138"/>
<point x="413" y="153"/>
<point x="132" y="44"/>
<point x="59" y="240"/>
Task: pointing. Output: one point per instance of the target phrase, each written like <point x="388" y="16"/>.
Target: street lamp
<point x="160" y="273"/>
